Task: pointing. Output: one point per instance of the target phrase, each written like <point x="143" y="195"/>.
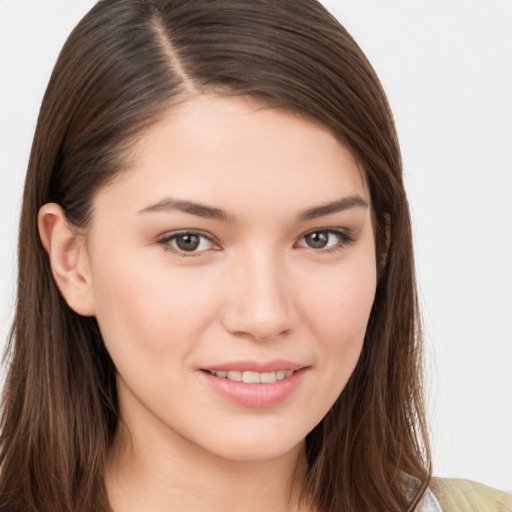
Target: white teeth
<point x="253" y="377"/>
<point x="236" y="376"/>
<point x="268" y="377"/>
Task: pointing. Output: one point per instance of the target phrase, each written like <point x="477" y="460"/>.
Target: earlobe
<point x="68" y="257"/>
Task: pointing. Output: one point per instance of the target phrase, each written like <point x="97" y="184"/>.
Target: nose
<point x="259" y="298"/>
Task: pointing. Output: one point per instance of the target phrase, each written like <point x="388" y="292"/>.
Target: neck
<point x="147" y="472"/>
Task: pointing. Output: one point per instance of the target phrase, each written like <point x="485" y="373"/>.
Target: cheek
<point x="343" y="309"/>
<point x="337" y="313"/>
<point x="342" y="300"/>
<point x="145" y="310"/>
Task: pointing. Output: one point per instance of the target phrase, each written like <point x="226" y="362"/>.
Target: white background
<point x="447" y="68"/>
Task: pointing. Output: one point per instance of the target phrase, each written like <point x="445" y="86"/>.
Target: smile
<point x="253" y="377"/>
<point x="253" y="389"/>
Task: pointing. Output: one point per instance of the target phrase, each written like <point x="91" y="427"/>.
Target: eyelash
<point x="344" y="239"/>
<point x="167" y="240"/>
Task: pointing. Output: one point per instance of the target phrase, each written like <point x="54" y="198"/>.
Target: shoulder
<point x="457" y="495"/>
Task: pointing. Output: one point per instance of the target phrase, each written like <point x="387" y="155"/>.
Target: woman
<point x="214" y="246"/>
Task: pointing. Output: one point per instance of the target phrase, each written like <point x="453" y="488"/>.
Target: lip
<point x="255" y="396"/>
<point x="256" y="366"/>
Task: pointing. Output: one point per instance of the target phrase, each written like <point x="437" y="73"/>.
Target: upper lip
<point x="256" y="366"/>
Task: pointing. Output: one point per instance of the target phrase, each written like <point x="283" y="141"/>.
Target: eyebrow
<point x="208" y="212"/>
<point x="334" y="207"/>
<point x="201" y="210"/>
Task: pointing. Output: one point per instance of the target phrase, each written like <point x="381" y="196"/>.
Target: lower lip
<point x="256" y="396"/>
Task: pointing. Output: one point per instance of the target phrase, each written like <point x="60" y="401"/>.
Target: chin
<point x="252" y="447"/>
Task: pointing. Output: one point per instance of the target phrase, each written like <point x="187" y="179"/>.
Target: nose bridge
<point x="260" y="302"/>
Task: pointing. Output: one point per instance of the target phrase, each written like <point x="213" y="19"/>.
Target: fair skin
<point x="265" y="283"/>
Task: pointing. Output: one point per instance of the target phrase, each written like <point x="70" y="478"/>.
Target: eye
<point x="325" y="240"/>
<point x="187" y="243"/>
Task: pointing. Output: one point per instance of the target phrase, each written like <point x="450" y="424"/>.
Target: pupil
<point x="317" y="239"/>
<point x="188" y="242"/>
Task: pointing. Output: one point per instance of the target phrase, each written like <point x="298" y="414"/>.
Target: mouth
<point x="255" y="385"/>
<point x="250" y="377"/>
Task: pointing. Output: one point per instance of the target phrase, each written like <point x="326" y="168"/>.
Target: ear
<point x="69" y="259"/>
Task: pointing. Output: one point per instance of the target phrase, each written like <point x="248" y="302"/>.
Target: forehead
<point x="238" y="152"/>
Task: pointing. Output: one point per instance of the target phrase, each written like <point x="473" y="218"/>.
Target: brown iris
<point x="188" y="242"/>
<point x="317" y="239"/>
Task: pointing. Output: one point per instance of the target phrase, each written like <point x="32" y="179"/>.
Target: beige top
<point x="456" y="495"/>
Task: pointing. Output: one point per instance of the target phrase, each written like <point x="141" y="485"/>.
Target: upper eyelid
<point x="343" y="232"/>
<point x="171" y="234"/>
<point x="345" y="237"/>
<point x="165" y="241"/>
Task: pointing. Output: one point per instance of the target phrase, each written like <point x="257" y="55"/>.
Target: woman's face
<point x="233" y="270"/>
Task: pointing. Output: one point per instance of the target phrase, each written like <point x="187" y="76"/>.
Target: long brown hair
<point x="123" y="66"/>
